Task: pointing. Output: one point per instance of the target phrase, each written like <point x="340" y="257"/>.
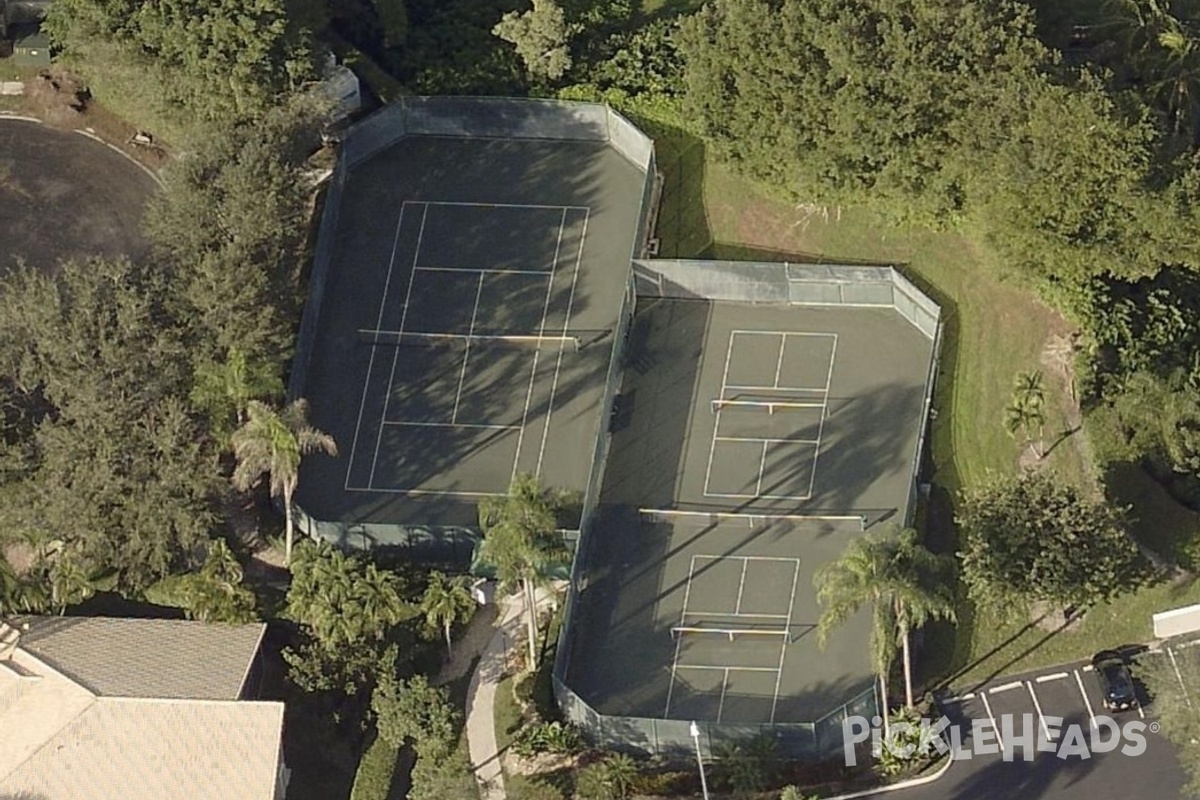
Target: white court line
<point x="731" y="669"/>
<point x="541" y="332"/>
<point x="1005" y="687"/>
<point x="745" y="387"/>
<point x="762" y="468"/>
<point x="671" y="685"/>
<point x="724" y="686"/>
<point x="759" y="497"/>
<point x="712" y="446"/>
<point x="832" y="356"/>
<point x="1086" y="701"/>
<point x="541" y="272"/>
<point x="396" y="355"/>
<point x="371" y="363"/>
<point x="988" y="707"/>
<point x="462" y="374"/>
<point x="779" y="362"/>
<point x="562" y="347"/>
<point x="812" y="475"/>
<point x="432" y="492"/>
<point x="736" y="615"/>
<point x="1179" y="677"/>
<point x="764" y="440"/>
<point x="711" y="557"/>
<point x="737" y="609"/>
<point x="783" y="647"/>
<point x="501" y="205"/>
<point x="1038" y="706"/>
<point x="469" y="425"/>
<point x="1056" y="676"/>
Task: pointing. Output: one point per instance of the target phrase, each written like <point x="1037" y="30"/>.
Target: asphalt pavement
<point x="1061" y="704"/>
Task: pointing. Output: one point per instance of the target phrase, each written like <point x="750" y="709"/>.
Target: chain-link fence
<point x="809" y="741"/>
<point x="788" y="284"/>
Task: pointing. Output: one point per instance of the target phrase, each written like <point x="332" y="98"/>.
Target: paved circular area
<point x="64" y="195"/>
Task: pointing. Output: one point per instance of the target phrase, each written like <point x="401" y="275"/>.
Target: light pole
<point x="695" y="731"/>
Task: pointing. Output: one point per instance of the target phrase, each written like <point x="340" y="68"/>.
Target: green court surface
<point x="465" y="331"/>
<point x="754" y="443"/>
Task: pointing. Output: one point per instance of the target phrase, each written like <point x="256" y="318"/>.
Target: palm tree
<point x="446" y="601"/>
<point x="903" y="584"/>
<point x="1161" y="40"/>
<point x="1023" y="418"/>
<point x="274" y="442"/>
<point x="1025" y="411"/>
<point x="929" y="597"/>
<point x="620" y="772"/>
<point x="70" y="582"/>
<point x="225" y="388"/>
<point x="521" y="543"/>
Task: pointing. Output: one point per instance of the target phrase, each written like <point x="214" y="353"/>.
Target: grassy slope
<point x="994" y="329"/>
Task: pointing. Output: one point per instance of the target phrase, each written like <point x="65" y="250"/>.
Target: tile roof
<point x="62" y="740"/>
<point x="157" y="658"/>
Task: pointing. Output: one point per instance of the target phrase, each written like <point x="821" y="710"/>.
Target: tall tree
<point x="521" y="543"/>
<point x="107" y="459"/>
<point x="904" y="585"/>
<point x="224" y="388"/>
<point x="273" y="442"/>
<point x="542" y="38"/>
<point x="1034" y="537"/>
<point x="446" y="601"/>
<point x="840" y="100"/>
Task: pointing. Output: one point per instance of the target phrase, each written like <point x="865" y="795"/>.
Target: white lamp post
<point x="695" y="731"/>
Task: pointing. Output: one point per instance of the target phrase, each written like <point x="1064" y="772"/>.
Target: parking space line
<point x="1056" y="676"/>
<point x="1005" y="687"/>
<point x="1182" y="685"/>
<point x="1038" y="706"/>
<point x="992" y="717"/>
<point x="1088" y="668"/>
<point x="1141" y="713"/>
<point x="1086" y="701"/>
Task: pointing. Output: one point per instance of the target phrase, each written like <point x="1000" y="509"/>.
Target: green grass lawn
<point x="994" y="329"/>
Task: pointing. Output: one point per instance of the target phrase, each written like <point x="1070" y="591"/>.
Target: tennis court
<point x="467" y="325"/>
<point x="757" y="442"/>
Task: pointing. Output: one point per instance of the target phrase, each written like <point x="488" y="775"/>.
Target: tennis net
<point x="676" y="516"/>
<point x="377" y="338"/>
<point x="770" y="406"/>
<point x="731" y="631"/>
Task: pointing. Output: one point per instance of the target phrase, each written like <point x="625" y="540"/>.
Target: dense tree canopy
<point x="176" y="63"/>
<point x="838" y="98"/>
<point x="1034" y="537"/>
<point x="102" y="454"/>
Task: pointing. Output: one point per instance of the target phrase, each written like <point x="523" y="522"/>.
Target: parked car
<point x="1116" y="684"/>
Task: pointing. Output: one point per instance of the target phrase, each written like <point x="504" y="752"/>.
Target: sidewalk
<point x="481" y="696"/>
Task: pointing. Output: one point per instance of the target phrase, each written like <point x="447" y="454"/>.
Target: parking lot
<point x="1063" y="763"/>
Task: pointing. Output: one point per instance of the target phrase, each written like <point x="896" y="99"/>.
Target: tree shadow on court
<point x="578" y="175"/>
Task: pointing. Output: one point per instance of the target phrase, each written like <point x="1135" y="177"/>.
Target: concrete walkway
<point x="481" y="696"/>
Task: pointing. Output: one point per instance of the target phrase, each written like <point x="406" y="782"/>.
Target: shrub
<point x="373" y="781"/>
<point x="547" y="737"/>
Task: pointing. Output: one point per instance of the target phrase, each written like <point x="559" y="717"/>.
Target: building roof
<point x="63" y="741"/>
<point x="158" y="658"/>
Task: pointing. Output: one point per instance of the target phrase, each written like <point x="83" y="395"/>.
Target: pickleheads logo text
<point x="1022" y="733"/>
